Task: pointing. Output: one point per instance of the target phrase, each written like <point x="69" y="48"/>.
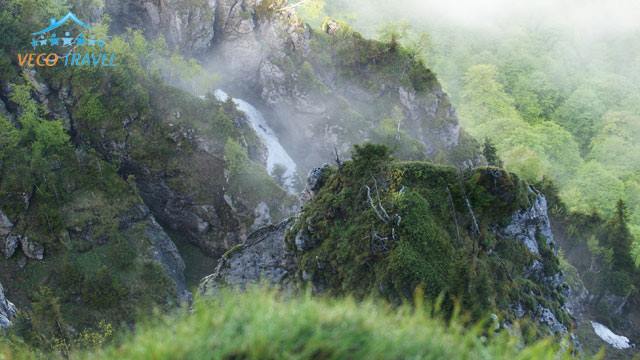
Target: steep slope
<point x="323" y="91"/>
<point x="98" y="168"/>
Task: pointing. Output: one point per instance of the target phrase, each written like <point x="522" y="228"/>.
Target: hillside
<point x="124" y="190"/>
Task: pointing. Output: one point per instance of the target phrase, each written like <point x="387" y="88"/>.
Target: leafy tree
<point x="236" y="157"/>
<point x="278" y="173"/>
<point x="370" y="158"/>
<point x="617" y="145"/>
<point x="9" y="138"/>
<point x="311" y="11"/>
<point x="593" y="188"/>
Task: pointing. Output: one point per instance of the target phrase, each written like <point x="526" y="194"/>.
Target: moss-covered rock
<point x="385" y="227"/>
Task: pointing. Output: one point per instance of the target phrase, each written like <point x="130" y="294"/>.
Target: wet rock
<point x="264" y="257"/>
<point x="7" y="310"/>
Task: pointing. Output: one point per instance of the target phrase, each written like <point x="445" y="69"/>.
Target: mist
<point x="587" y="17"/>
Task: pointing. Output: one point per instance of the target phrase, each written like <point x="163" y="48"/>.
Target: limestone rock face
<point x="527" y="225"/>
<point x="264" y="257"/>
<point x="185" y="25"/>
<point x="7" y="310"/>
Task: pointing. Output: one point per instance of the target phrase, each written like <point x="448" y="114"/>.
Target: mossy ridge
<point x="371" y="63"/>
<point x="477" y="268"/>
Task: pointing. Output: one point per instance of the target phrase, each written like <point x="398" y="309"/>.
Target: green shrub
<point x="102" y="290"/>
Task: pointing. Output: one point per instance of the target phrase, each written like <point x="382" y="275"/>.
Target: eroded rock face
<point x="185" y="25"/>
<point x="527" y="225"/>
<point x="532" y="227"/>
<point x="7" y="310"/>
<point x="212" y="226"/>
<point x="264" y="257"/>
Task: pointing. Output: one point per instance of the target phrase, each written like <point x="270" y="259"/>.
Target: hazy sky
<point x="581" y="15"/>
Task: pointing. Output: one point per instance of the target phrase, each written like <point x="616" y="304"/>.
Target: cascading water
<point x="276" y="154"/>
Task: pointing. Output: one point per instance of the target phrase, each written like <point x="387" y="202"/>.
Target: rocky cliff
<point x="322" y="90"/>
<point x="482" y="237"/>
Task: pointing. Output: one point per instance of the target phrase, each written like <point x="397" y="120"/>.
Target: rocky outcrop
<point x="162" y="249"/>
<point x="213" y="225"/>
<point x="422" y="110"/>
<point x="185" y="25"/>
<point x="9" y="242"/>
<point x="302" y="247"/>
<point x="7" y="310"/>
<point x="529" y="225"/>
<point x="532" y="227"/>
<point x="264" y="257"/>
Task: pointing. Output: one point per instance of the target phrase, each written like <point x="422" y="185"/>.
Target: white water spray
<point x="276" y="154"/>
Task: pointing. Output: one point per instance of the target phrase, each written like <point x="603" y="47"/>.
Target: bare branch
<point x="373" y="206"/>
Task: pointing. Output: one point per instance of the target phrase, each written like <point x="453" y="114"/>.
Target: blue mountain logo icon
<point x="48" y="36"/>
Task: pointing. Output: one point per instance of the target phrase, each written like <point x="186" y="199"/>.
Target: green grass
<point x="261" y="324"/>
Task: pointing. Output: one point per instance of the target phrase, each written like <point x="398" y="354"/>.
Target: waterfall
<point x="276" y="154"/>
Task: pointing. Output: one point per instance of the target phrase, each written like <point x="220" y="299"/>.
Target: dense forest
<point x="557" y="101"/>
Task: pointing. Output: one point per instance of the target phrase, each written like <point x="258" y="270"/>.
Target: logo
<point x="64" y="43"/>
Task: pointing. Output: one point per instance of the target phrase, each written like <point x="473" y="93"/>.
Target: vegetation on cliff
<point x="385" y="227"/>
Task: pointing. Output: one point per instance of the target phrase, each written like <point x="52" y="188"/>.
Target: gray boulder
<point x="264" y="257"/>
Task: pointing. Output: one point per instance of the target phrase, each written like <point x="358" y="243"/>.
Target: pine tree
<point x="619" y="239"/>
<point x="491" y="153"/>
